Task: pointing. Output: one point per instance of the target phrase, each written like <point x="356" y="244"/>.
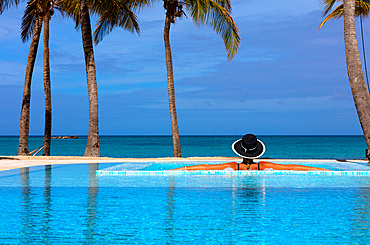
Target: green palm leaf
<point x="71" y="8"/>
<point x="111" y="13"/>
<point x="216" y="14"/>
<point x="362" y="8"/>
<point x="29" y="20"/>
<point x="328" y="5"/>
<point x="116" y="13"/>
<point x="5" y="4"/>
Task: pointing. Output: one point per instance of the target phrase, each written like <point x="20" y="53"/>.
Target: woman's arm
<point x="222" y="166"/>
<point x="264" y="165"/>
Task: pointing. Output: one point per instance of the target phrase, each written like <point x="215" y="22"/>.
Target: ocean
<point x="282" y="147"/>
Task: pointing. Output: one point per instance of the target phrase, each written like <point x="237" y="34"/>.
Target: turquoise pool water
<point x="71" y="204"/>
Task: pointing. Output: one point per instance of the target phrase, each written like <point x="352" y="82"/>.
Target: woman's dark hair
<point x="248" y="162"/>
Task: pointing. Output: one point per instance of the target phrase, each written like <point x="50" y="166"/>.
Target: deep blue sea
<point x="286" y="147"/>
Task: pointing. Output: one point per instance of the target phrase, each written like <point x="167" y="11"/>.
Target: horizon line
<point x="186" y="135"/>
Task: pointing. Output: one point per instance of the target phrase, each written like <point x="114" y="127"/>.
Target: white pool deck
<point x="16" y="162"/>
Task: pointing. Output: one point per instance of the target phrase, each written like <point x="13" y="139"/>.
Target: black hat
<point x="249" y="147"/>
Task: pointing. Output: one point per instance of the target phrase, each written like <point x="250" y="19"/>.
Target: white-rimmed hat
<point x="249" y="147"/>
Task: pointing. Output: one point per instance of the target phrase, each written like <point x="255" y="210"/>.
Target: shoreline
<point x="16" y="162"/>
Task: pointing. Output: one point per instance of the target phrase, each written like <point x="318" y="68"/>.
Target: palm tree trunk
<point x="92" y="146"/>
<point x="25" y="111"/>
<point x="171" y="90"/>
<point x="359" y="89"/>
<point x="47" y="88"/>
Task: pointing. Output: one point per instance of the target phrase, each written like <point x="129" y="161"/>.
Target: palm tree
<point x="31" y="26"/>
<point x="209" y="12"/>
<point x="37" y="11"/>
<point x="79" y="10"/>
<point x="92" y="146"/>
<point x="49" y="10"/>
<point x="362" y="8"/>
<point x="359" y="89"/>
<point x="215" y="13"/>
<point x="112" y="13"/>
<point x="31" y="23"/>
<point x="351" y="9"/>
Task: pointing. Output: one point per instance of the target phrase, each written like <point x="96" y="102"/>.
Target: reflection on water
<point x="213" y="210"/>
<point x="39" y="207"/>
<point x="26" y="213"/>
<point x="170" y="209"/>
<point x="360" y="224"/>
<point x="92" y="202"/>
<point x="47" y="218"/>
<point x="36" y="212"/>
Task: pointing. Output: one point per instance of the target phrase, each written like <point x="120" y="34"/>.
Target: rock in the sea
<point x="65" y="137"/>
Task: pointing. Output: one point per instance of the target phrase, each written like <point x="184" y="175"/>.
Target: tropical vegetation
<point x="31" y="26"/>
<point x="49" y="11"/>
<point x="106" y="9"/>
<point x="25" y="111"/>
<point x="122" y="13"/>
<point x="360" y="92"/>
<point x="357" y="81"/>
<point x="37" y="13"/>
<point x="217" y="15"/>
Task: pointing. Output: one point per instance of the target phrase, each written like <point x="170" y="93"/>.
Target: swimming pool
<point x="160" y="169"/>
<point x="71" y="204"/>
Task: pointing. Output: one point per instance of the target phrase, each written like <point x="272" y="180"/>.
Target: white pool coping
<point x="231" y="173"/>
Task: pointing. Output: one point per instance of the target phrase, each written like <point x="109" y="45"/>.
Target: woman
<point x="249" y="148"/>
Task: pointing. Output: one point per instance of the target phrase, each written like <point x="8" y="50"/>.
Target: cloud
<point x="279" y="60"/>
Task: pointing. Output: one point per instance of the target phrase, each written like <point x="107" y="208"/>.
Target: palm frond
<point x="361" y="8"/>
<point x="328" y="5"/>
<point x="71" y="8"/>
<point x="6" y="4"/>
<point x="97" y="6"/>
<point x="120" y="16"/>
<point x="198" y="10"/>
<point x="115" y="13"/>
<point x="28" y="21"/>
<point x="213" y="14"/>
<point x="336" y="14"/>
<point x="111" y="13"/>
<point x="225" y="4"/>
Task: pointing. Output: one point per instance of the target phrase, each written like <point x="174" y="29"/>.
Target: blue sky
<point x="288" y="78"/>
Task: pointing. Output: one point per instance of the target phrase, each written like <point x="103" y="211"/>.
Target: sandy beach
<point x="14" y="162"/>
